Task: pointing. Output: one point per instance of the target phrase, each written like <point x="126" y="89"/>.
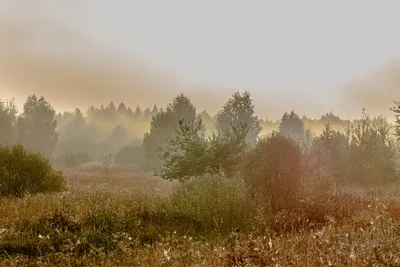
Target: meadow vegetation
<point x="239" y="195"/>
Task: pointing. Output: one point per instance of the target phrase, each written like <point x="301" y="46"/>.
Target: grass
<point x="122" y="219"/>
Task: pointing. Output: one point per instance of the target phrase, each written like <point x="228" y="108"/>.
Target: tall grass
<point x="138" y="220"/>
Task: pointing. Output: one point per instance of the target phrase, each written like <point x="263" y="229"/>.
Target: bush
<point x="331" y="151"/>
<point x="274" y="171"/>
<point x="24" y="172"/>
<point x="372" y="157"/>
<point x="190" y="154"/>
<point x="130" y="155"/>
<point x="214" y="201"/>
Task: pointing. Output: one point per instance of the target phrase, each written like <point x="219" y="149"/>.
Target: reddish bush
<point x="274" y="171"/>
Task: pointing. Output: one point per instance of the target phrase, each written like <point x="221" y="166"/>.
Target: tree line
<point x="146" y="137"/>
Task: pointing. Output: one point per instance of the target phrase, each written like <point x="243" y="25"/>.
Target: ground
<point x="122" y="219"/>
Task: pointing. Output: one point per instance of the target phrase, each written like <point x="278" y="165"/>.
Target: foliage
<point x="24" y="172"/>
<point x="163" y="126"/>
<point x="209" y="122"/>
<point x="119" y="135"/>
<point x="130" y="155"/>
<point x="74" y="145"/>
<point x="190" y="154"/>
<point x="83" y="145"/>
<point x="274" y="171"/>
<point x="36" y="126"/>
<point x="75" y="125"/>
<point x="239" y="110"/>
<point x="396" y="110"/>
<point x="184" y="155"/>
<point x="372" y="152"/>
<point x="331" y="119"/>
<point x="216" y="202"/>
<point x="148" y="223"/>
<point x="8" y="113"/>
<point x="331" y="151"/>
<point x="291" y="126"/>
<point x="208" y="219"/>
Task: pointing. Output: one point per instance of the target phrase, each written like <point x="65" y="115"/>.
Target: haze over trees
<point x="36" y="126"/>
<point x="163" y="125"/>
<point x="238" y="111"/>
<point x="8" y="113"/>
<point x="231" y="172"/>
<point x="292" y="172"/>
<point x="116" y="130"/>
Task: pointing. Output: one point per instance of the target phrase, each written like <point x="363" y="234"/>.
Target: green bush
<point x="214" y="201"/>
<point x="23" y="172"/>
<point x="190" y="154"/>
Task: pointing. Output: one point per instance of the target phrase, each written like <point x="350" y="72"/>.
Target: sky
<point x="310" y="56"/>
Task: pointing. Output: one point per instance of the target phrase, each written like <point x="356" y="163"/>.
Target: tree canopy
<point x="163" y="125"/>
<point x="239" y="110"/>
<point x="36" y="126"/>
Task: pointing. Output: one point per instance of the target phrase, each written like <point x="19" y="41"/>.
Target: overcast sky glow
<point x="308" y="49"/>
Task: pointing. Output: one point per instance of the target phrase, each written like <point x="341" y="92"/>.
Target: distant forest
<point x="132" y="135"/>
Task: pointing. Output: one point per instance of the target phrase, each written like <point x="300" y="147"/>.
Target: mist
<point x="44" y="57"/>
<point x="70" y="71"/>
<point x="375" y="92"/>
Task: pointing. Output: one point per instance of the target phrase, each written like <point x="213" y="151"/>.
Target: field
<point x="125" y="219"/>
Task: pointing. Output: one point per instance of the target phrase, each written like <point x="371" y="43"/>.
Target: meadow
<point x="187" y="194"/>
<point x="123" y="219"/>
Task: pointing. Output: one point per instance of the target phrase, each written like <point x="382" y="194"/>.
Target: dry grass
<point x="128" y="220"/>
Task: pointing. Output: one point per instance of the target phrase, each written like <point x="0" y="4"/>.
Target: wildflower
<point x="41" y="236"/>
<point x="166" y="253"/>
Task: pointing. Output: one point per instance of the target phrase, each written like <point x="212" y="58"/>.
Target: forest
<point x="172" y="186"/>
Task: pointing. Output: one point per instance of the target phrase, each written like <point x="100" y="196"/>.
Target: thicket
<point x="179" y="146"/>
<point x="105" y="130"/>
<point x="24" y="172"/>
<point x="281" y="173"/>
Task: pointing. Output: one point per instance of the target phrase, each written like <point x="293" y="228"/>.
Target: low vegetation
<point x="23" y="172"/>
<point x="289" y="197"/>
<point x="209" y="221"/>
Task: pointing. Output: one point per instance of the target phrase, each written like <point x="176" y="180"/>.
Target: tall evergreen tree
<point x="291" y="126"/>
<point x="36" y="126"/>
<point x="7" y="120"/>
<point x="239" y="110"/>
<point x="163" y="125"/>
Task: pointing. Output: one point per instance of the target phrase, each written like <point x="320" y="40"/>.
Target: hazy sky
<point x="289" y="54"/>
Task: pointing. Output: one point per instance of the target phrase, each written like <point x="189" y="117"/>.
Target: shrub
<point x="130" y="155"/>
<point x="274" y="170"/>
<point x="24" y="172"/>
<point x="214" y="201"/>
<point x="190" y="154"/>
<point x="372" y="152"/>
<point x="330" y="150"/>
